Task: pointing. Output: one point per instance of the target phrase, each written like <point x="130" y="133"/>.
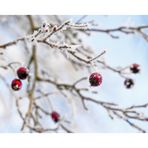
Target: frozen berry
<point x="44" y="25"/>
<point x="55" y="116"/>
<point x="22" y="73"/>
<point x="95" y="79"/>
<point x="135" y="68"/>
<point x="16" y="84"/>
<point x="55" y="28"/>
<point x="129" y="83"/>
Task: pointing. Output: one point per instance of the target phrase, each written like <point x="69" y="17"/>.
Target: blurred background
<point x="121" y="52"/>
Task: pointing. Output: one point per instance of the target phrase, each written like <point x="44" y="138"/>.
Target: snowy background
<point x="120" y="52"/>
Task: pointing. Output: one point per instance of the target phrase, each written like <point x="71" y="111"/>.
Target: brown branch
<point x="31" y="91"/>
<point x="12" y="43"/>
<point x="34" y="110"/>
<point x="127" y="113"/>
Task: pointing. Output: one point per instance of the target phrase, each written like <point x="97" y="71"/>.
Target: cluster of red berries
<point x="134" y="68"/>
<point x="95" y="79"/>
<point x="16" y="85"/>
<point x="22" y="74"/>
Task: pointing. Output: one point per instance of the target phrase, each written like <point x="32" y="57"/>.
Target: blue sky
<point x="120" y="52"/>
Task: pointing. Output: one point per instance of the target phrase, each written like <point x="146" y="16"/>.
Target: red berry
<point x="44" y="25"/>
<point x="129" y="83"/>
<point x="16" y="84"/>
<point x="135" y="68"/>
<point x="55" y="116"/>
<point x="22" y="73"/>
<point x="95" y="79"/>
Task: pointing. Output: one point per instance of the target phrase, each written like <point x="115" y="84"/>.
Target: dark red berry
<point x="22" y="73"/>
<point x="135" y="68"/>
<point x="16" y="84"/>
<point x="95" y="79"/>
<point x="129" y="83"/>
<point x="55" y="116"/>
<point x="44" y="25"/>
<point x="54" y="28"/>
